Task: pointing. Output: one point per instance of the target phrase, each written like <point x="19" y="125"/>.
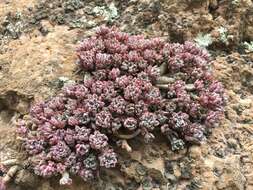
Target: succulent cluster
<point x="135" y="86"/>
<point x="60" y="137"/>
<point x="153" y="84"/>
<point x="195" y="99"/>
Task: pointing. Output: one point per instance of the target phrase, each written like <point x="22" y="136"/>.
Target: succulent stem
<point x="126" y="146"/>
<point x="10" y="174"/>
<point x="162" y="86"/>
<point x="10" y="162"/>
<point x="130" y="136"/>
<point x="163" y="68"/>
<point x="165" y="80"/>
<point x="65" y="180"/>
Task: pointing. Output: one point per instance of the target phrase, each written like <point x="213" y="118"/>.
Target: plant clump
<point x="137" y="86"/>
<point x="60" y="138"/>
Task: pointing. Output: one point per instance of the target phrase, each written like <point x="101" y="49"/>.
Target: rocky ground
<point x="37" y="49"/>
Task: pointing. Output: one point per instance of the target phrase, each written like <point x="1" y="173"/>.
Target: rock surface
<point x="37" y="48"/>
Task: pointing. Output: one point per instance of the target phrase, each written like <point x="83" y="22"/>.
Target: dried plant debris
<point x="203" y="40"/>
<point x="248" y="46"/>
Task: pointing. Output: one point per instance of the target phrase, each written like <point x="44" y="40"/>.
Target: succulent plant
<point x="136" y="86"/>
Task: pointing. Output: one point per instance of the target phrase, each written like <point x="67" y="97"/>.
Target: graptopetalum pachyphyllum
<point x="135" y="86"/>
